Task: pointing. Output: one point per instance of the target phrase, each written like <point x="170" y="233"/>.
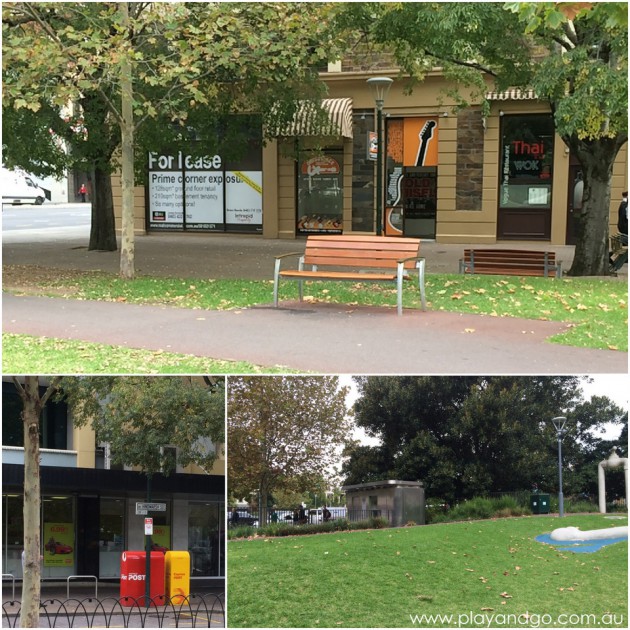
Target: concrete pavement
<point x="318" y="338"/>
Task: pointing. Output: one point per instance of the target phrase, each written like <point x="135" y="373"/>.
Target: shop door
<point x="574" y="202"/>
<point x="88" y="535"/>
<point x="419" y="187"/>
<point x="526" y="177"/>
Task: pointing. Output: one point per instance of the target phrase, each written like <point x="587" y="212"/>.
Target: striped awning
<point x="515" y="94"/>
<point x="309" y="121"/>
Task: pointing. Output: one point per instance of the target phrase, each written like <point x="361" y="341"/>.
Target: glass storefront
<point x="526" y="177"/>
<point x="320" y="193"/>
<point x="70" y="544"/>
<point x="206" y="538"/>
<point x="12" y="534"/>
<point x="411" y="185"/>
<point x="111" y="541"/>
<point x="58" y="536"/>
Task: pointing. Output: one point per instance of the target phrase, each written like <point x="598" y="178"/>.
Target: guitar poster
<point x="420" y="141"/>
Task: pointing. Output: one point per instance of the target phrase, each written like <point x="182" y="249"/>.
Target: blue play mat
<point x="579" y="546"/>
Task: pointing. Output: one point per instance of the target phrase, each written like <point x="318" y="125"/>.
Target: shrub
<point x="582" y="506"/>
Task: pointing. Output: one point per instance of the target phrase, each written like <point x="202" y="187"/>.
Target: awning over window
<point x="308" y="120"/>
<point x="515" y="94"/>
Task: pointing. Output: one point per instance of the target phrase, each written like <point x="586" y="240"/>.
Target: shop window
<point x="111" y="541"/>
<point x="526" y="161"/>
<point x="12" y="534"/>
<point x="58" y="536"/>
<point x="217" y="192"/>
<point x="206" y="539"/>
<point x="320" y="192"/>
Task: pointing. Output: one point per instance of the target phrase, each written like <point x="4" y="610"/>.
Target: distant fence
<point x="312" y="516"/>
<point x="194" y="611"/>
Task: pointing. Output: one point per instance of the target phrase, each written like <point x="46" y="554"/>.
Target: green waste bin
<point x="539" y="503"/>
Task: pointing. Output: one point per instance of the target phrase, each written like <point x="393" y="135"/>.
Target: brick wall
<point x="470" y="139"/>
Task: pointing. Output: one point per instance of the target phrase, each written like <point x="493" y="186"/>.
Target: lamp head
<point x="559" y="423"/>
<point x="380" y="87"/>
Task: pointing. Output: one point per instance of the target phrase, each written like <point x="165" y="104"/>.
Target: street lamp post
<point x="380" y="87"/>
<point x="559" y="423"/>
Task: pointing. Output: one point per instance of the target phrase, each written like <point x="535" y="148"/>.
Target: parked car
<point x="245" y="518"/>
<point x="20" y="188"/>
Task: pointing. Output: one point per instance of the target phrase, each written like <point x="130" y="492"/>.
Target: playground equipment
<point x="613" y="461"/>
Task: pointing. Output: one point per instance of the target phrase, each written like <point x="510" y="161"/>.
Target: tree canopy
<point x="572" y="55"/>
<point x="468" y="436"/>
<point x="284" y="433"/>
<point x="138" y="416"/>
<point x="126" y="65"/>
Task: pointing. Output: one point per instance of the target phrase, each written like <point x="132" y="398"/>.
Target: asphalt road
<point x="37" y="224"/>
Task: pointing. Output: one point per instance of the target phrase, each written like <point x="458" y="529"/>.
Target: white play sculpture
<point x="573" y="533"/>
<point x="614" y="461"/>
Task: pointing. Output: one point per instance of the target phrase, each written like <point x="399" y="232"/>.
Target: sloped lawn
<point x="473" y="574"/>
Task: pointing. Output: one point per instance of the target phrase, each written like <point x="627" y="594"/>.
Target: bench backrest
<point x="360" y="251"/>
<point x="527" y="261"/>
<point x="513" y="254"/>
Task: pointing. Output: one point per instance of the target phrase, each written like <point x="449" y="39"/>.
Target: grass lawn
<point x="24" y="354"/>
<point x="596" y="308"/>
<point x="477" y="572"/>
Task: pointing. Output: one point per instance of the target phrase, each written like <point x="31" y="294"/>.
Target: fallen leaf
<point x="469" y="330"/>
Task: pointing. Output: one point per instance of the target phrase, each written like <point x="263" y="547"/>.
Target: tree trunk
<point x="31" y="589"/>
<point x="597" y="158"/>
<point x="103" y="228"/>
<point x="127" y="248"/>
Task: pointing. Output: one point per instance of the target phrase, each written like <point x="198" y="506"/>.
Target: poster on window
<point x="320" y="195"/>
<point x="243" y="200"/>
<point x="58" y="544"/>
<point x="161" y="538"/>
<point x="527" y="147"/>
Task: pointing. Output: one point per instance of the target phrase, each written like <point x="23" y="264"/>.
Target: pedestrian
<point x="274" y="516"/>
<point x="326" y="514"/>
<point x="234" y="518"/>
<point x="83" y="192"/>
<point x="622" y="221"/>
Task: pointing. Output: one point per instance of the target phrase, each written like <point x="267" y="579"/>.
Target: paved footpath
<point x="324" y="339"/>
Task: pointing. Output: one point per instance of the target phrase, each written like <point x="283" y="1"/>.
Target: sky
<point x="614" y="386"/>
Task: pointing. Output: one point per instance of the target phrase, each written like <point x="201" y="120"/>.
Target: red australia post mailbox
<point x="133" y="576"/>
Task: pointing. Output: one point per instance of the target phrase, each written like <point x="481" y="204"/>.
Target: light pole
<point x="380" y="87"/>
<point x="559" y="423"/>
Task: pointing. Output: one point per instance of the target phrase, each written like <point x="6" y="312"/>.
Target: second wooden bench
<point x="510" y="262"/>
<point x="355" y="258"/>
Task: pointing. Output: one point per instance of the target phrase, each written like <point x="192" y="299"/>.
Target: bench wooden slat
<point x="353" y="254"/>
<point x="515" y="262"/>
<point x="338" y="275"/>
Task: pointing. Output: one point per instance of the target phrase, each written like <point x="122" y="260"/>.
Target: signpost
<point x="142" y="509"/>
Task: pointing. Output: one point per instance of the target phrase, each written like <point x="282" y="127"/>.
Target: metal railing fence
<point x="196" y="611"/>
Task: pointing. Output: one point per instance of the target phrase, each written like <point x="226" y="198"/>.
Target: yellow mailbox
<point x="177" y="572"/>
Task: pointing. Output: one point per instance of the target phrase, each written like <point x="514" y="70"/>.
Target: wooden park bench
<point x="618" y="252"/>
<point x="355" y="258"/>
<point x="510" y="262"/>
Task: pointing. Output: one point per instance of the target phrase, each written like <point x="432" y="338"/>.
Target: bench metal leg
<point x="276" y="280"/>
<point x="423" y="299"/>
<point x="399" y="284"/>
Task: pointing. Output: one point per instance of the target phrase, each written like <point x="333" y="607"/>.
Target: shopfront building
<point x="88" y="509"/>
<point x="453" y="176"/>
<point x="88" y="520"/>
